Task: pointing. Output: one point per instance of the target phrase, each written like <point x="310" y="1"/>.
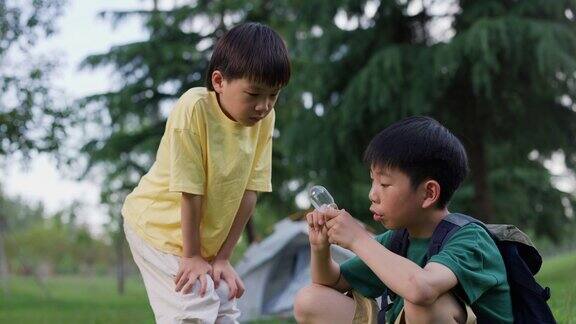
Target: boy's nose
<point x="371" y="195"/>
<point x="262" y="106"/>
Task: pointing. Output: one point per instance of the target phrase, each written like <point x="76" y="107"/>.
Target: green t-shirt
<point x="471" y="255"/>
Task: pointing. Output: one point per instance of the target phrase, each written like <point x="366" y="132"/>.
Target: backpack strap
<point x="444" y="231"/>
<point x="504" y="232"/>
<point x="399" y="245"/>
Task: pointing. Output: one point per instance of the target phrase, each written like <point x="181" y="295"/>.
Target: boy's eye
<point x="252" y="94"/>
<point x="385" y="185"/>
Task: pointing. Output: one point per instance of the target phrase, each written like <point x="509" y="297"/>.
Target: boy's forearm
<point x="400" y="274"/>
<point x="191" y="215"/>
<point x="324" y="271"/>
<point x="242" y="216"/>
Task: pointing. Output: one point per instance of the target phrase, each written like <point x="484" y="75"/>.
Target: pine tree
<point x="500" y="74"/>
<point x="30" y="120"/>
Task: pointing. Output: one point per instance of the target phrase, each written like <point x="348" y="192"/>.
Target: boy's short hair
<point x="423" y="149"/>
<point x="253" y="51"/>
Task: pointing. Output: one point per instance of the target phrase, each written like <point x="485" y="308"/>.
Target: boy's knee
<point x="304" y="301"/>
<point x="446" y="309"/>
<point x="194" y="308"/>
<point x="209" y="286"/>
<point x="414" y="311"/>
<point x="223" y="290"/>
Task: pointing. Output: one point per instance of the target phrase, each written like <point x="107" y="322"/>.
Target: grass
<point x="94" y="299"/>
<point x="558" y="274"/>
<point x="75" y="300"/>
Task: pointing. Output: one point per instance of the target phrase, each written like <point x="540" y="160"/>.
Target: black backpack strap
<point x="399" y="245"/>
<point x="444" y="231"/>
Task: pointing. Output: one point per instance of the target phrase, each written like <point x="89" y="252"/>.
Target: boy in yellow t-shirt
<point x="185" y="216"/>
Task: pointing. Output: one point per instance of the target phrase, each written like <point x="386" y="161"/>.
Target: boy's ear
<point x="217" y="81"/>
<point x="431" y="193"/>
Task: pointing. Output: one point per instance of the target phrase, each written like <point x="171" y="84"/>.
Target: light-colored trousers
<point x="158" y="271"/>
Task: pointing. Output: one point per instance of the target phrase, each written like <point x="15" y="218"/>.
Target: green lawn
<point x="559" y="274"/>
<point x="94" y="299"/>
<point x="75" y="300"/>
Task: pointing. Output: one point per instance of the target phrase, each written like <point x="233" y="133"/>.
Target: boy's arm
<point x="222" y="267"/>
<point x="324" y="271"/>
<point x="420" y="286"/>
<point x="242" y="216"/>
<point x="190" y="210"/>
<point x="192" y="266"/>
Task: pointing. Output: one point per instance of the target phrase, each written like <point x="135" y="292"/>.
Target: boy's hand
<point x="317" y="231"/>
<point x="343" y="229"/>
<point x="222" y="269"/>
<point x="190" y="270"/>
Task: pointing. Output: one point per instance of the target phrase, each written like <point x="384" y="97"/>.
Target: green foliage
<point x="61" y="250"/>
<point x="17" y="214"/>
<point x="29" y="117"/>
<point x="40" y="243"/>
<point x="499" y="74"/>
<point x="503" y="82"/>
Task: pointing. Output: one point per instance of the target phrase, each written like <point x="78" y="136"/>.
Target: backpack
<point x="521" y="259"/>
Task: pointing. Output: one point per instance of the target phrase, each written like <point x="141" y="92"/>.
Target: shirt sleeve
<point x="474" y="258"/>
<point x="360" y="277"/>
<point x="187" y="171"/>
<point x="261" y="173"/>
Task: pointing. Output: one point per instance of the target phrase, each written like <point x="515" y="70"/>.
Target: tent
<point x="274" y="269"/>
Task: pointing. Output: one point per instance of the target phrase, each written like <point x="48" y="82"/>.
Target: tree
<point x="28" y="120"/>
<point x="14" y="215"/>
<point x="500" y="74"/>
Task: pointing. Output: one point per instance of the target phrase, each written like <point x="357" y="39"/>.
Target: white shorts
<point x="158" y="271"/>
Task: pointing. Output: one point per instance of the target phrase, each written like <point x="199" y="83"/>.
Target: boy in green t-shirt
<point x="415" y="166"/>
<point x="187" y="213"/>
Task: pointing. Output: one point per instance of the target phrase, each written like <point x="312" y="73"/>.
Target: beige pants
<point x="158" y="271"/>
<point x="366" y="311"/>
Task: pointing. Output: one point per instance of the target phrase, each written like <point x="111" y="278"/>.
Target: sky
<point x="81" y="33"/>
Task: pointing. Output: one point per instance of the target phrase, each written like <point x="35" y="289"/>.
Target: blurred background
<point x="86" y="87"/>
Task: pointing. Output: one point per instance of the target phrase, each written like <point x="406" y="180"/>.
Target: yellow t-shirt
<point x="202" y="152"/>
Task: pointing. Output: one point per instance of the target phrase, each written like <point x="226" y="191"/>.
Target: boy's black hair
<point x="253" y="51"/>
<point x="423" y="149"/>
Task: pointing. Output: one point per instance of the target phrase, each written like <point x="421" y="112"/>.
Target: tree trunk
<point x="120" y="271"/>
<point x="3" y="258"/>
<point x="483" y="208"/>
<point x="3" y="266"/>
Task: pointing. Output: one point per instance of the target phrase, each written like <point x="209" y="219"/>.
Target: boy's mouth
<point x="377" y="217"/>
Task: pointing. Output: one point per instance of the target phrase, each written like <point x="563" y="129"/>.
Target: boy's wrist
<point x="191" y="255"/>
<point x="190" y="251"/>
<point x="222" y="256"/>
<point x="317" y="248"/>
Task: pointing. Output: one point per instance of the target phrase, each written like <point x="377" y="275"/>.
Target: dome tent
<point x="274" y="269"/>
